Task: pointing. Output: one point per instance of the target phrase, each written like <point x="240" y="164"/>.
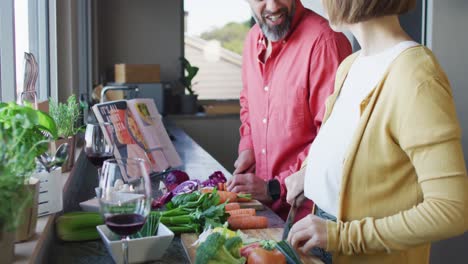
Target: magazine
<point x="139" y="132"/>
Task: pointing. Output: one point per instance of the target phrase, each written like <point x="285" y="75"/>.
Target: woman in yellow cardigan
<point x="386" y="171"/>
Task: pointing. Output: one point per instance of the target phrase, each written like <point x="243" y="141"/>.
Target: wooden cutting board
<point x="267" y="233"/>
<point x="252" y="204"/>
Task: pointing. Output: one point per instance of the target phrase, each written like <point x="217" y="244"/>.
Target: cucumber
<point x="78" y="226"/>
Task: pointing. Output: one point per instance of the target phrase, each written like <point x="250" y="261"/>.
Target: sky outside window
<point x="205" y="15"/>
<point x="21" y="41"/>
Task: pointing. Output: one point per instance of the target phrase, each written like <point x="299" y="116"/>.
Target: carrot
<point x="232" y="206"/>
<point x="243" y="199"/>
<point x="225" y="196"/>
<point x="248" y="222"/>
<point x="239" y="215"/>
<point x="221" y="186"/>
<point x="244" y="211"/>
<point x="206" y="190"/>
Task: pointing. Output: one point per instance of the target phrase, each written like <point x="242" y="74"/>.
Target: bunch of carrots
<point x="229" y="196"/>
<point x="239" y="218"/>
<point x="244" y="218"/>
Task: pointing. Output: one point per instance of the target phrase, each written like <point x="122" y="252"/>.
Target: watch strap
<point x="274" y="189"/>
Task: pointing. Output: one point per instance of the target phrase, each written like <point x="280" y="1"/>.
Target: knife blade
<point x="291" y="215"/>
<point x="291" y="255"/>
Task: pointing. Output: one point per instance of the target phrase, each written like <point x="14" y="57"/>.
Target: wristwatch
<point x="274" y="189"/>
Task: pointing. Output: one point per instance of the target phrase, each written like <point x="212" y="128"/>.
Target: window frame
<point x="39" y="43"/>
<point x="7" y="51"/>
<point x="38" y="32"/>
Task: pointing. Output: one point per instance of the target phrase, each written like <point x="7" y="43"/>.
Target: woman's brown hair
<point x="354" y="11"/>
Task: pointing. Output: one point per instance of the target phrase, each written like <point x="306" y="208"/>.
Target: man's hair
<point x="354" y="11"/>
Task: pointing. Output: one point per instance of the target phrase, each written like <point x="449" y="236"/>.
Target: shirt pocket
<point x="291" y="108"/>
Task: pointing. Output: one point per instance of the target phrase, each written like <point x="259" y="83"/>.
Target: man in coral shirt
<point x="289" y="62"/>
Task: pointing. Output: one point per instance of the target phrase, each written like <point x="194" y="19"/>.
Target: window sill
<point x="33" y="250"/>
<point x="218" y="107"/>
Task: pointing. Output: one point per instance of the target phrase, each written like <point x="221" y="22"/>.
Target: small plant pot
<point x="7" y="246"/>
<point x="53" y="146"/>
<point x="68" y="165"/>
<point x="27" y="228"/>
<point x="189" y="104"/>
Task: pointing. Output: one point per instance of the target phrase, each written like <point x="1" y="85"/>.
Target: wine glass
<point x="125" y="197"/>
<point x="99" y="143"/>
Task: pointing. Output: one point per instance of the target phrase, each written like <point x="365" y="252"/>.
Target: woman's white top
<point x="329" y="149"/>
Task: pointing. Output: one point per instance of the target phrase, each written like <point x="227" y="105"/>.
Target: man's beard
<point x="277" y="32"/>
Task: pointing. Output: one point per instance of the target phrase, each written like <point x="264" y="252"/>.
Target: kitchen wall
<point x="317" y="7"/>
<point x="448" y="38"/>
<point x="64" y="48"/>
<point x="143" y="31"/>
<point x="218" y="135"/>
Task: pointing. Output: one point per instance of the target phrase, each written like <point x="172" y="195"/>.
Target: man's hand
<point x="309" y="232"/>
<point x="245" y="163"/>
<point x="294" y="186"/>
<point x="249" y="183"/>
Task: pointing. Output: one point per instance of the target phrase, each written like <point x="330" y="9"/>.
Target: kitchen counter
<point x="197" y="163"/>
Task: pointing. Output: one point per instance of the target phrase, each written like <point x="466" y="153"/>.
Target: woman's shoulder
<point x="345" y="66"/>
<point x="416" y="66"/>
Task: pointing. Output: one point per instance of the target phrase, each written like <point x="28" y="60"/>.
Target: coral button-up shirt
<point x="282" y="101"/>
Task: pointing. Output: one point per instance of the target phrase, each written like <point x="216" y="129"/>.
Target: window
<point x="21" y="42"/>
<point x="214" y="36"/>
<point x="23" y="27"/>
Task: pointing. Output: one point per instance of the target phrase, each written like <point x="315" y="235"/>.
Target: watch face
<point x="274" y="189"/>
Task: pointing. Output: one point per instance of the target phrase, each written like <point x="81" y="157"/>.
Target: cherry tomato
<point x="262" y="256"/>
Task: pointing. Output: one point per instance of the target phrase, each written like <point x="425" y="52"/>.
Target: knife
<point x="291" y="256"/>
<point x="290" y="219"/>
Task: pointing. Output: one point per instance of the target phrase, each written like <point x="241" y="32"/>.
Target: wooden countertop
<point x="198" y="163"/>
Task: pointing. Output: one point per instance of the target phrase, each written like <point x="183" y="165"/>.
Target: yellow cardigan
<point x="404" y="180"/>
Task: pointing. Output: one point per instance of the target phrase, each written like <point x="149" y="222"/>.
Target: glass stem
<point x="125" y="249"/>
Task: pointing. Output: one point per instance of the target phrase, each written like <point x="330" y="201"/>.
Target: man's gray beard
<point x="278" y="32"/>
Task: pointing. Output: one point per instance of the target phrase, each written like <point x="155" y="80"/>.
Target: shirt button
<point x="264" y="120"/>
<point x="263" y="151"/>
<point x="266" y="88"/>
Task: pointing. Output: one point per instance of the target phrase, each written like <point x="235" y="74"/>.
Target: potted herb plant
<point x="24" y="134"/>
<point x="189" y="100"/>
<point x="66" y="116"/>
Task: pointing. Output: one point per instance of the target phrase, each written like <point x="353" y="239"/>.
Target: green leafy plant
<point x="24" y="134"/>
<point x="66" y="116"/>
<point x="189" y="73"/>
<point x="231" y="35"/>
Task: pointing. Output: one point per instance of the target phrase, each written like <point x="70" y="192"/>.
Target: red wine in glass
<point x="125" y="224"/>
<point x="125" y="197"/>
<point x="98" y="143"/>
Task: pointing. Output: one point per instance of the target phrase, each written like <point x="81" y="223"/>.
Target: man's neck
<point x="268" y="50"/>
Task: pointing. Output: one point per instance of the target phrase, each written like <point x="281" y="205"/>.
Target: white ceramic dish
<point x="139" y="249"/>
<point x="91" y="205"/>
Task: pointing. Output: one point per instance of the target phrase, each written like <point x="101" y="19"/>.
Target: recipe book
<point x="139" y="132"/>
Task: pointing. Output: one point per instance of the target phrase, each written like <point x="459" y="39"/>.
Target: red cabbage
<point x="214" y="179"/>
<point x="156" y="204"/>
<point x="174" y="178"/>
<point x="186" y="187"/>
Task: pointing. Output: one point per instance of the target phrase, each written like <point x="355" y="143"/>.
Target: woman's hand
<point x="309" y="232"/>
<point x="295" y="186"/>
